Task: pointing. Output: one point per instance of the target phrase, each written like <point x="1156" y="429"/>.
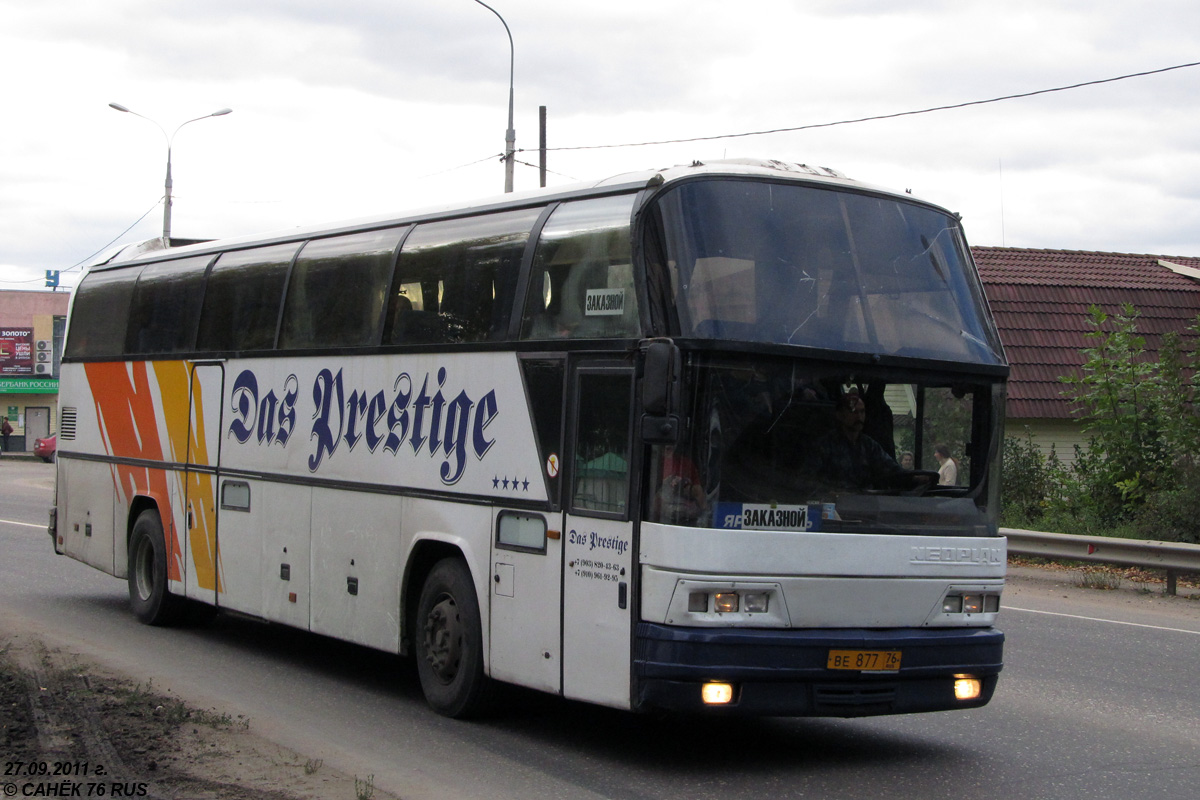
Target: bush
<point x="1027" y="482"/>
<point x="1173" y="515"/>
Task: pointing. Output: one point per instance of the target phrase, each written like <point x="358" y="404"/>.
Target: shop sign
<point x="28" y="385"/>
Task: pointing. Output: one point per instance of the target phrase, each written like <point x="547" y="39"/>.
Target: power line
<point x="883" y="116"/>
<point x="538" y="167"/>
<point x="111" y="242"/>
<point x="498" y="156"/>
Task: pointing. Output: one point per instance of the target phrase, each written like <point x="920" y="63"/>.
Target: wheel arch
<point x="139" y="504"/>
<point x="424" y="554"/>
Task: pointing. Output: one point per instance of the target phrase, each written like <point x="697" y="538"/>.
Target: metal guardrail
<point x="1173" y="557"/>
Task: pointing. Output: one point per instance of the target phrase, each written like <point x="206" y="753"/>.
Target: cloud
<point x="364" y="107"/>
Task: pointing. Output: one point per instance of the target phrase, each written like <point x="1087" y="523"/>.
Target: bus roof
<point x="152" y="249"/>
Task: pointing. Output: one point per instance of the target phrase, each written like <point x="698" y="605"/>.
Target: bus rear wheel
<point x="449" y="642"/>
<point x="151" y="600"/>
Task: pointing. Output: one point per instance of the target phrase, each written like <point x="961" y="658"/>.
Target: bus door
<point x="200" y="480"/>
<point x="226" y="540"/>
<point x="597" y="534"/>
<point x="526" y="600"/>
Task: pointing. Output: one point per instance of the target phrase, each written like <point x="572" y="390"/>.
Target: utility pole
<point x="510" y="136"/>
<point x="542" y="144"/>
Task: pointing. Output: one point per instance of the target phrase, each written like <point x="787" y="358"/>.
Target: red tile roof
<point x="1040" y="299"/>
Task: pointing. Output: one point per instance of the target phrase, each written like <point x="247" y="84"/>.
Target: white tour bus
<point x="660" y="442"/>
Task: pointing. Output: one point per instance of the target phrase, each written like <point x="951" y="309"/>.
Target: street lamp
<point x="166" y="235"/>
<point x="510" y="136"/>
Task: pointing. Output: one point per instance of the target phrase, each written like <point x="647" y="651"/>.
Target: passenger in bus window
<point x="403" y="306"/>
<point x="947" y="466"/>
<point x="680" y="498"/>
<point x="401" y="315"/>
<point x="544" y="317"/>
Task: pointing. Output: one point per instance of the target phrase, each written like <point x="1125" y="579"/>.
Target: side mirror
<point x="661" y="368"/>
<point x="662" y="364"/>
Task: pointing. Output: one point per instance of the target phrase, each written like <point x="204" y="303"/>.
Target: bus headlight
<point x="717" y="694"/>
<point x="958" y="602"/>
<point x="755" y="602"/>
<point x="725" y="602"/>
<point x="967" y="687"/>
<point x="730" y="602"/>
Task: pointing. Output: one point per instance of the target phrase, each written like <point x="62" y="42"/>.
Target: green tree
<point x="1141" y="464"/>
<point x="1118" y="401"/>
<point x="1178" y="395"/>
<point x="1173" y="512"/>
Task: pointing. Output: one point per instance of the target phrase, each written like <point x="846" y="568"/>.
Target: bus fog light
<point x="754" y="602"/>
<point x="717" y="694"/>
<point x="972" y="603"/>
<point x="698" y="602"/>
<point x="952" y="604"/>
<point x="967" y="687"/>
<point x="991" y="603"/>
<point x="725" y="602"/>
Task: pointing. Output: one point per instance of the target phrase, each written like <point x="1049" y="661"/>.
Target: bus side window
<point x="241" y="300"/>
<point x="602" y="454"/>
<point x="454" y="279"/>
<point x="165" y="306"/>
<point x="544" y="387"/>
<point x="100" y="314"/>
<point x="581" y="285"/>
<point x="335" y="296"/>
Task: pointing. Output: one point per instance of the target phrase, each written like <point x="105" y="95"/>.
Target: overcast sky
<point x="358" y="107"/>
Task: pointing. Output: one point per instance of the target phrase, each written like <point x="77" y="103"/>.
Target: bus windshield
<point x="790" y="444"/>
<point x="801" y="265"/>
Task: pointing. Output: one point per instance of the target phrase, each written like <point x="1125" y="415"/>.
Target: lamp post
<point x="510" y="136"/>
<point x="166" y="235"/>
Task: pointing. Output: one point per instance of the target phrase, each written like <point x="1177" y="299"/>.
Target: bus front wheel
<point x="149" y="596"/>
<point x="449" y="641"/>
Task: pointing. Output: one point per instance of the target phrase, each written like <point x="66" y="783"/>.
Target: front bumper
<point x="784" y="672"/>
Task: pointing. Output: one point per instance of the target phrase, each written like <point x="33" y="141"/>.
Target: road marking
<point x="1099" y="619"/>
<point x="42" y="525"/>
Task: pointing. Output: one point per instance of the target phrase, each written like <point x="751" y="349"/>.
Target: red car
<point x="45" y="448"/>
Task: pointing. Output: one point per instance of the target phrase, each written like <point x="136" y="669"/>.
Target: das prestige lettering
<point x="400" y="419"/>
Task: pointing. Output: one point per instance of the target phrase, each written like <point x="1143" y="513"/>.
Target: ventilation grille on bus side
<point x="66" y="423"/>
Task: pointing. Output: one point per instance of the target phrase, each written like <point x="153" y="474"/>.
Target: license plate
<point x="864" y="660"/>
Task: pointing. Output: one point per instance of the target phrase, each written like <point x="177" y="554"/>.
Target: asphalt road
<point x="1098" y="700"/>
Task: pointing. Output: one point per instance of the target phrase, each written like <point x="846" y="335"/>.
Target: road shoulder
<point x="68" y="725"/>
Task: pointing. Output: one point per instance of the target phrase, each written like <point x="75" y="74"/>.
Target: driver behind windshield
<point x="847" y="458"/>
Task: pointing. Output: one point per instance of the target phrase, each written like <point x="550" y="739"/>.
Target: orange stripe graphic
<point x="129" y="426"/>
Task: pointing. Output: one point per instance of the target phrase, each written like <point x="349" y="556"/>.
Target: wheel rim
<point x="143" y="569"/>
<point x="443" y="639"/>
